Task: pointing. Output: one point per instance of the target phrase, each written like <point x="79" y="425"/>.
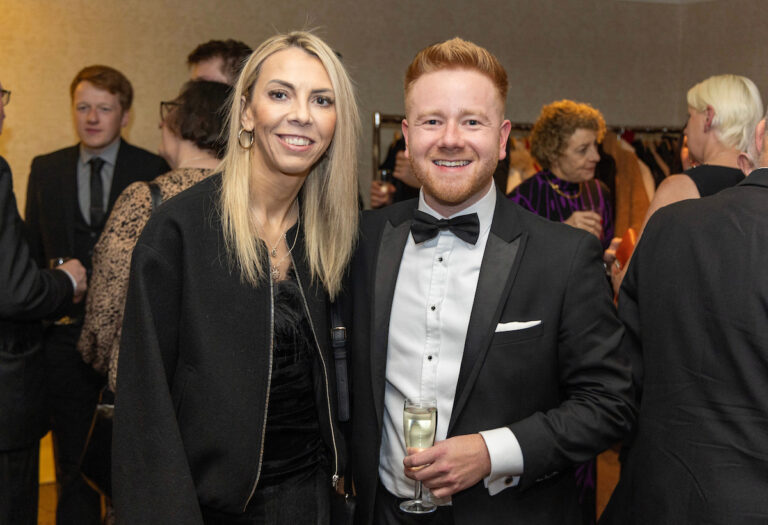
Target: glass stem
<point x="417" y="496"/>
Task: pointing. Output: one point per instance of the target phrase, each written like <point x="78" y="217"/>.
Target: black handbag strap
<point x="156" y="194"/>
<point x="339" y="345"/>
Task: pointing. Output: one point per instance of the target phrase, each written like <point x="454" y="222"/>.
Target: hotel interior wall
<point x="632" y="60"/>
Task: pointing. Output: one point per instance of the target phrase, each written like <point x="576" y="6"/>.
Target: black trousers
<point x="19" y="471"/>
<point x="301" y="500"/>
<point x="386" y="511"/>
<point x="73" y="391"/>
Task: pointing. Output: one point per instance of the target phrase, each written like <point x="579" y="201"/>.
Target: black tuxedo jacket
<point x="695" y="305"/>
<point x="52" y="195"/>
<point x="26" y="295"/>
<point x="560" y="386"/>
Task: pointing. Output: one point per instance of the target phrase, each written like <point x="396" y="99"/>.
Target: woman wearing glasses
<point x="225" y="406"/>
<point x="191" y="129"/>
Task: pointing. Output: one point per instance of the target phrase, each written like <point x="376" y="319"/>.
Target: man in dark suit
<point x="505" y="319"/>
<point x="69" y="196"/>
<point x="28" y="294"/>
<point x="695" y="305"/>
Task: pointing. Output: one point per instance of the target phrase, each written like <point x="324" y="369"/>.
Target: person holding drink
<point x="463" y="297"/>
<point x="564" y="141"/>
<point x="225" y="408"/>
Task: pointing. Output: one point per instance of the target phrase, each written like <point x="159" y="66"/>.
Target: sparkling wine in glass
<point x="419" y="424"/>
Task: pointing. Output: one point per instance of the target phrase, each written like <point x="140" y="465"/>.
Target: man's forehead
<point x="463" y="86"/>
<point x="92" y="89"/>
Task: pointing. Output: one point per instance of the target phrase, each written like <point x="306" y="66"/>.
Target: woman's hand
<point x="381" y="193"/>
<point x="587" y="220"/>
<point x="403" y="171"/>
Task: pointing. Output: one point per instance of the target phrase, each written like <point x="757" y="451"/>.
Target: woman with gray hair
<point x="723" y="111"/>
<point x="225" y="407"/>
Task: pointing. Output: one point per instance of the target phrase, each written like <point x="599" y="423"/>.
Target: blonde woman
<point x="225" y="405"/>
<point x="723" y="111"/>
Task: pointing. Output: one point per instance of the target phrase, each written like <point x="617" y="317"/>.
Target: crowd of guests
<point x="256" y="337"/>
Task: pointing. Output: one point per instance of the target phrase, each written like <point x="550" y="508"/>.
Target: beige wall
<point x="631" y="60"/>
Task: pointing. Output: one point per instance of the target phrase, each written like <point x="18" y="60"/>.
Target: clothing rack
<point x="383" y="119"/>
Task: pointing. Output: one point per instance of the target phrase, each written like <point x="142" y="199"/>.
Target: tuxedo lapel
<point x="393" y="239"/>
<point x="501" y="260"/>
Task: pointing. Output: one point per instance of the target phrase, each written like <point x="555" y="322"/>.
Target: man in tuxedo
<point x="218" y="61"/>
<point x="695" y="305"/>
<point x="69" y="195"/>
<point x="503" y="317"/>
<point x="28" y="295"/>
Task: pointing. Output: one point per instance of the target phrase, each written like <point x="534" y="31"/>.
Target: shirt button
<point x="429" y="358"/>
<point x="508" y="480"/>
<point x="432" y="307"/>
<point x="439" y="259"/>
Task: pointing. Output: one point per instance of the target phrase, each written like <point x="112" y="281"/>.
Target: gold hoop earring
<point x="240" y="138"/>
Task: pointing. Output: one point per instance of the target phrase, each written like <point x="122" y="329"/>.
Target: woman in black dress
<point x="723" y="111"/>
<point x="225" y="409"/>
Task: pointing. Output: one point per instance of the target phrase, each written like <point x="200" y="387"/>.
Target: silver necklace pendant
<point x="275" y="273"/>
<point x="273" y="253"/>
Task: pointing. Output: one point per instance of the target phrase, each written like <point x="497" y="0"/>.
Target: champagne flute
<point x="419" y="425"/>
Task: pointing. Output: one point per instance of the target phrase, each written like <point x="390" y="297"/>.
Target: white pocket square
<point x="516" y="325"/>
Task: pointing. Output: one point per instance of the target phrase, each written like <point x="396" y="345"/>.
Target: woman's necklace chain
<point x="560" y="192"/>
<point x="275" y="266"/>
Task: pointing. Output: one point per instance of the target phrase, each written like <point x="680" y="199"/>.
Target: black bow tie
<point x="465" y="227"/>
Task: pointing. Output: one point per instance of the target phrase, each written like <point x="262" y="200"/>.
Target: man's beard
<point x="455" y="191"/>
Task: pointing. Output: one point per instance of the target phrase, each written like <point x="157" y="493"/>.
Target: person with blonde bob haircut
<point x="735" y="104"/>
<point x="225" y="352"/>
<point x="723" y="111"/>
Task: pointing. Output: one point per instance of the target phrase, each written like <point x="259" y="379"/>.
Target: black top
<point x="195" y="361"/>
<point x="712" y="179"/>
<point x="292" y="442"/>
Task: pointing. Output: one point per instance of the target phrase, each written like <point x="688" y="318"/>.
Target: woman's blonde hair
<point x="737" y="105"/>
<point x="329" y="196"/>
<point x="555" y="125"/>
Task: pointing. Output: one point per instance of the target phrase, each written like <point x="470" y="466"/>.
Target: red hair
<point x="457" y="54"/>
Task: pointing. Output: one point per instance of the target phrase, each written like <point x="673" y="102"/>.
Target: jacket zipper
<point x="269" y="383"/>
<point x="335" y="477"/>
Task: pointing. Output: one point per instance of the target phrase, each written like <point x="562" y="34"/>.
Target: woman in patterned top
<point x="191" y="128"/>
<point x="564" y="142"/>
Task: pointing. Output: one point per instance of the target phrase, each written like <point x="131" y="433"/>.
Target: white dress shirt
<point x="431" y="307"/>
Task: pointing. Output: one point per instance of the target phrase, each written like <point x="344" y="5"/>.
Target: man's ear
<point x="404" y="127"/>
<point x="506" y="127"/>
<point x="745" y="163"/>
<point x="125" y="118"/>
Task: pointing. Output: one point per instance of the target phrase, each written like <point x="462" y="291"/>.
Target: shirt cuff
<point x="72" y="280"/>
<point x="506" y="459"/>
